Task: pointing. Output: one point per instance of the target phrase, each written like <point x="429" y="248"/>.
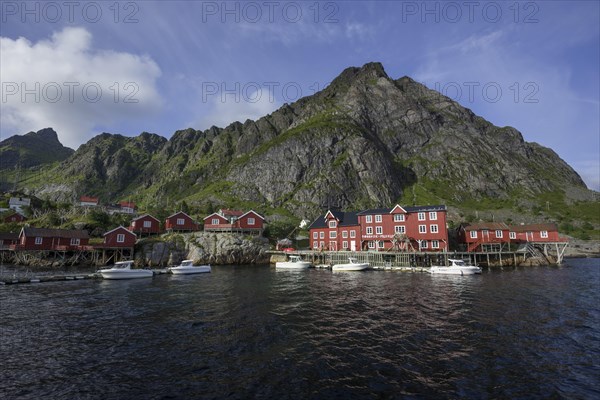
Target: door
<point x="352" y="245"/>
<point x="485" y="236"/>
<point x="529" y="236"/>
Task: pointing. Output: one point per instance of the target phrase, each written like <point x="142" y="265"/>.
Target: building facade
<point x="145" y="224"/>
<point x="234" y="221"/>
<point x="119" y="237"/>
<point x="538" y="233"/>
<point x="180" y="221"/>
<point x="421" y="228"/>
<point x="479" y="236"/>
<point x="52" y="239"/>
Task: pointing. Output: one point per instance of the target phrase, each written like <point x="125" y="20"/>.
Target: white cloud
<point x="227" y="108"/>
<point x="65" y="83"/>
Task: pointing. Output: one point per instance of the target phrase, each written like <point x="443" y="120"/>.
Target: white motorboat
<point x="295" y="262"/>
<point x="188" y="267"/>
<point x="351" y="266"/>
<point x="456" y="267"/>
<point x="123" y="270"/>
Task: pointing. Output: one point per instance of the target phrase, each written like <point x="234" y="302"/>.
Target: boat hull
<point x="467" y="270"/>
<point x="349" y="267"/>
<point x="126" y="274"/>
<point x="190" y="270"/>
<point x="292" y="265"/>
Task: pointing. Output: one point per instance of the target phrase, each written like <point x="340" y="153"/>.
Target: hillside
<point x="365" y="141"/>
<point x="32" y="149"/>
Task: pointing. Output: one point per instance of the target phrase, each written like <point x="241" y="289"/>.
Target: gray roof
<point x="60" y="233"/>
<point x="346" y="219"/>
<point x="410" y="209"/>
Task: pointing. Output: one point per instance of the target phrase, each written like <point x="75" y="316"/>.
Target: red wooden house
<point x="119" y="237"/>
<point x="234" y="221"/>
<point x="88" y="201"/>
<point x="16" y="217"/>
<point x="479" y="236"/>
<point x="538" y="233"/>
<point x="335" y="231"/>
<point x="145" y="224"/>
<point x="52" y="239"/>
<point x="8" y="239"/>
<point x="180" y="221"/>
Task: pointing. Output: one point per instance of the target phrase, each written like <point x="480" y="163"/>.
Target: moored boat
<point x="456" y="267"/>
<point x="295" y="262"/>
<point x="123" y="270"/>
<point x="352" y="265"/>
<point x="187" y="267"/>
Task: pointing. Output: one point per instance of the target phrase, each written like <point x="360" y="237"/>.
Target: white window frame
<point x="368" y="219"/>
<point x="322" y="235"/>
<point x="332" y="223"/>
<point x="352" y="233"/>
<point x="433" y="215"/>
<point x="369" y="230"/>
<point x="473" y="234"/>
<point x="332" y="234"/>
<point x="422" y="228"/>
<point x="381" y="244"/>
<point x="512" y="235"/>
<point x="120" y="238"/>
<point x="345" y="234"/>
<point x="499" y="234"/>
<point x="321" y="244"/>
<point x="433" y="228"/>
<point x="180" y="221"/>
<point x="371" y="244"/>
<point x="379" y="230"/>
<point x="251" y="221"/>
<point x="315" y="235"/>
<point x="401" y="229"/>
<point x="421" y="216"/>
<point x="39" y="240"/>
<point x="315" y="244"/>
<point x="435" y="244"/>
<point x="398" y="217"/>
<point x="424" y="244"/>
<point x="345" y="244"/>
<point x="215" y="221"/>
<point x="147" y="224"/>
<point x="75" y="242"/>
<point x="544" y="234"/>
<point x="378" y="218"/>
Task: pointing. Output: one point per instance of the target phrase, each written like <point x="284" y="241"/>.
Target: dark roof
<point x="492" y="226"/>
<point x="61" y="233"/>
<point x="534" y="227"/>
<point x="376" y="211"/>
<point x="346" y="219"/>
<point x="9" y="236"/>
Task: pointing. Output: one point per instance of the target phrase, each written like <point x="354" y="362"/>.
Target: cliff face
<point x="32" y="149"/>
<point x="365" y="141"/>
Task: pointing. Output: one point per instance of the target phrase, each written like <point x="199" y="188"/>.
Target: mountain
<point x="32" y="149"/>
<point x="365" y="141"/>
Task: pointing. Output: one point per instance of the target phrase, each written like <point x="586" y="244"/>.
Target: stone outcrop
<point x="202" y="247"/>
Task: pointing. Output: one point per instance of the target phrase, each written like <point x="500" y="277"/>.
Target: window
<point x="332" y="234"/>
<point x="400" y="229"/>
<point x="371" y="244"/>
<point x="379" y="230"/>
<point x="544" y="234"/>
<point x="369" y="218"/>
<point x="322" y="245"/>
<point x="345" y="244"/>
<point x="121" y="238"/>
<point x="399" y="218"/>
<point x="251" y="221"/>
<point x="344" y="234"/>
<point x="147" y="224"/>
<point x="315" y="235"/>
<point x="75" y="242"/>
<point x="380" y="244"/>
<point x="433" y="215"/>
<point x="435" y="244"/>
<point x="422" y="228"/>
<point x="352" y="233"/>
<point x="421" y="216"/>
<point x="378" y="218"/>
<point x="433" y="228"/>
<point x="315" y="245"/>
<point x="215" y="221"/>
<point x="424" y="244"/>
<point x="180" y="221"/>
<point x="332" y="224"/>
<point x="321" y="235"/>
<point x="38" y="240"/>
<point x="369" y="230"/>
<point x="473" y="234"/>
<point x="513" y="235"/>
<point x="499" y="234"/>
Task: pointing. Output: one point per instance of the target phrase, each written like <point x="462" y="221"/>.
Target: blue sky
<point x="129" y="67"/>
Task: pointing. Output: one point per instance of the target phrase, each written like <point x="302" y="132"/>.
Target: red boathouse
<point x="181" y="222"/>
<point x="145" y="224"/>
<point x="52" y="239"/>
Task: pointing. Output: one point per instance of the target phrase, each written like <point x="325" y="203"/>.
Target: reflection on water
<point x="244" y="332"/>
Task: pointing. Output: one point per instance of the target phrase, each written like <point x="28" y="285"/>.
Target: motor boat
<point x="123" y="270"/>
<point x="456" y="267"/>
<point x="353" y="265"/>
<point x="295" y="262"/>
<point x="188" y="267"/>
